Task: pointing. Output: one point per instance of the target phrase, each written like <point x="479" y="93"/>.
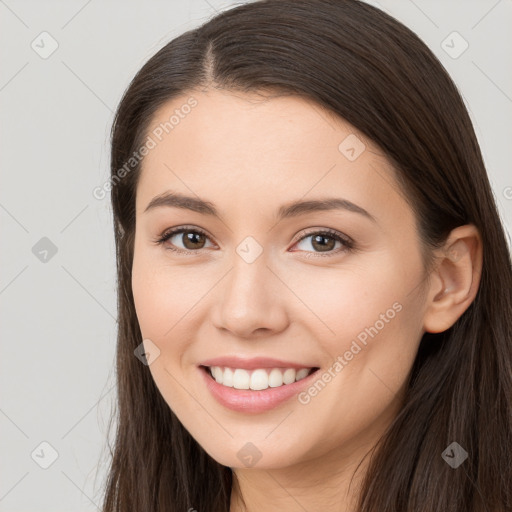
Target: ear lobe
<point x="455" y="279"/>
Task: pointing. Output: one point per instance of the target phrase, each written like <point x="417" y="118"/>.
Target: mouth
<point x="257" y="379"/>
<point x="257" y="390"/>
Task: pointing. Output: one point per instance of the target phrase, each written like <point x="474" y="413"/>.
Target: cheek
<point x="149" y="299"/>
<point x="168" y="304"/>
<point x="374" y="329"/>
<point x="163" y="294"/>
<point x="356" y="300"/>
<point x="163" y="314"/>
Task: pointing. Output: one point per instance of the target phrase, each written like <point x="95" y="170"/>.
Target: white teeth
<point x="227" y="379"/>
<point x="257" y="379"/>
<point x="217" y="374"/>
<point x="241" y="379"/>
<point x="289" y="376"/>
<point x="303" y="372"/>
<point x="275" y="378"/>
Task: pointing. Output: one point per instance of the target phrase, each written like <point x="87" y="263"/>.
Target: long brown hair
<point x="372" y="71"/>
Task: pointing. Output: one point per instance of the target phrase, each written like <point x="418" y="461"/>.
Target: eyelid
<point x="348" y="243"/>
<point x="170" y="232"/>
<point x="319" y="231"/>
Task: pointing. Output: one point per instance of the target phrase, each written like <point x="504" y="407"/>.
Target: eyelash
<point x="348" y="244"/>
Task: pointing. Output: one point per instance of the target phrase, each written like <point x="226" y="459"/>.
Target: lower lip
<point x="248" y="401"/>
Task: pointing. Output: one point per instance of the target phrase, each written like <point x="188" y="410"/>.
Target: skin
<point x="248" y="155"/>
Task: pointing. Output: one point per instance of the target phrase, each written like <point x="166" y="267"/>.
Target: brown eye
<point x="183" y="240"/>
<point x="325" y="242"/>
<point x="193" y="240"/>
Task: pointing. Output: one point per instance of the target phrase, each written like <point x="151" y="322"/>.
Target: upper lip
<point x="253" y="363"/>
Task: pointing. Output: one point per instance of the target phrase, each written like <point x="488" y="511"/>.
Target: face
<point x="316" y="307"/>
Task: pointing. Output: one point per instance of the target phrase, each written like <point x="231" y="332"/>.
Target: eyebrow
<point x="292" y="209"/>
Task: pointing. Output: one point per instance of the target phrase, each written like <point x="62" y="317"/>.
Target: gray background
<point x="58" y="310"/>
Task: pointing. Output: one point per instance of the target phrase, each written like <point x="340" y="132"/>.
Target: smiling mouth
<point x="257" y="379"/>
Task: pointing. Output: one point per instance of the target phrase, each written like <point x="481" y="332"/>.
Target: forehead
<point x="259" y="150"/>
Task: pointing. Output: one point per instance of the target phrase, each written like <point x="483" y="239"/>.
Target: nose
<point x="251" y="300"/>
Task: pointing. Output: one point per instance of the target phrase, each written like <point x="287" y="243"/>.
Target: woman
<point x="314" y="286"/>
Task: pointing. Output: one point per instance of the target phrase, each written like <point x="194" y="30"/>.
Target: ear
<point x="455" y="279"/>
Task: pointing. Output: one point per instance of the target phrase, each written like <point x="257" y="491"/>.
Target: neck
<point x="328" y="483"/>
